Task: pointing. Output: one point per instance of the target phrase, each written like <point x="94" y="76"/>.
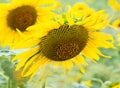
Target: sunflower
<point x="114" y="4"/>
<point x="117" y="85"/>
<point x="66" y="43"/>
<point x="20" y="18"/>
<point x="116" y="24"/>
<point x="80" y="9"/>
<point x="88" y="83"/>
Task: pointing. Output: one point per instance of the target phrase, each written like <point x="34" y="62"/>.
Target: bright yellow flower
<point x="65" y="42"/>
<point x="116" y="86"/>
<point x="80" y="9"/>
<point x="20" y="18"/>
<point x="114" y="4"/>
<point x="88" y="83"/>
<point x="116" y="24"/>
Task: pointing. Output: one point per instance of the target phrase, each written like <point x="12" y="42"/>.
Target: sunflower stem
<point x="44" y="83"/>
<point x="13" y="82"/>
<point x="9" y="82"/>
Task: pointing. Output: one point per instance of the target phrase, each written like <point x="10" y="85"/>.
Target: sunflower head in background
<point x="79" y="10"/>
<point x="114" y="4"/>
<point x="64" y="42"/>
<point x="114" y="85"/>
<point x="116" y="24"/>
<point x="19" y="18"/>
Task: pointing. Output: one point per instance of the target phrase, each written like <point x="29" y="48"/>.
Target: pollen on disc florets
<point x="64" y="43"/>
<point x="21" y="17"/>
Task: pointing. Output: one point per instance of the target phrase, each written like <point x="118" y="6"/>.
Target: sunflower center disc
<point x="66" y="49"/>
<point x="64" y="43"/>
<point x="119" y="25"/>
<point x="22" y="17"/>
